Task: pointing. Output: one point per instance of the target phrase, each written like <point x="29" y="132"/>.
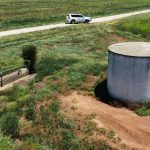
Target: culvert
<point x="129" y="71"/>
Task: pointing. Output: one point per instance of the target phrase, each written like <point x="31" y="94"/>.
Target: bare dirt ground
<point x="61" y="25"/>
<point x="134" y="131"/>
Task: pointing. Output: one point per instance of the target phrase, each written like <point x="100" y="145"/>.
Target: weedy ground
<point x="72" y="58"/>
<point x="140" y="25"/>
<point x="24" y="13"/>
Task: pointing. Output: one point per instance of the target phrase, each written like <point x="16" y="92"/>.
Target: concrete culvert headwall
<point x="129" y="71"/>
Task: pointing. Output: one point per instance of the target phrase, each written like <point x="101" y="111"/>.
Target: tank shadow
<point x="103" y="95"/>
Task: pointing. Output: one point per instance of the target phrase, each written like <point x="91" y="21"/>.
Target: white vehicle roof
<point x="74" y="14"/>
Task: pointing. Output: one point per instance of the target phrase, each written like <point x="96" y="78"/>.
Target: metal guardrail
<point x="11" y="70"/>
<point x="11" y="75"/>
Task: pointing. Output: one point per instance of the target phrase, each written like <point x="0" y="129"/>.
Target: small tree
<point x="29" y="55"/>
<point x="10" y="124"/>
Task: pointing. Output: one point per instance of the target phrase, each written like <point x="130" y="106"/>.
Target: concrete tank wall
<point x="128" y="77"/>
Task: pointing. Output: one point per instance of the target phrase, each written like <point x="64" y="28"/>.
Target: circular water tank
<point x="129" y="71"/>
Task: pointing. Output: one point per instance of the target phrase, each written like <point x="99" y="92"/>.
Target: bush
<point x="24" y="100"/>
<point x="30" y="112"/>
<point x="67" y="137"/>
<point x="17" y="92"/>
<point x="29" y="55"/>
<point x="10" y="124"/>
<point x="144" y="111"/>
<point x="55" y="107"/>
<point x="3" y="103"/>
<point x="12" y="106"/>
<point x="6" y="143"/>
<point x="3" y="98"/>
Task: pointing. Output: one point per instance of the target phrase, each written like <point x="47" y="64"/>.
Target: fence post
<point x="1" y="76"/>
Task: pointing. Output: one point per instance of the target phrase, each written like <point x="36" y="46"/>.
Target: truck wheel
<point x="73" y="22"/>
<point x="86" y="21"/>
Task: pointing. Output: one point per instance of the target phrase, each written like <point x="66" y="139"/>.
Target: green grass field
<point x="137" y="25"/>
<point x="72" y="58"/>
<point x="24" y="13"/>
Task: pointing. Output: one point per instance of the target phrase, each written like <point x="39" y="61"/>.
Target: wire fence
<point x="12" y="74"/>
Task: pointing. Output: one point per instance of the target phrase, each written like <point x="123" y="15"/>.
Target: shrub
<point x="6" y="143"/>
<point x="75" y="79"/>
<point x="3" y="98"/>
<point x="29" y="55"/>
<point x="12" y="106"/>
<point x="104" y="146"/>
<point x="67" y="137"/>
<point x="24" y="100"/>
<point x="18" y="91"/>
<point x="144" y="111"/>
<point x="30" y="112"/>
<point x="27" y="146"/>
<point x="10" y="124"/>
<point x="55" y="106"/>
<point x="36" y="143"/>
<point x="3" y="103"/>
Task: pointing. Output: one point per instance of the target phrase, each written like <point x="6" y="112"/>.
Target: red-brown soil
<point x="134" y="131"/>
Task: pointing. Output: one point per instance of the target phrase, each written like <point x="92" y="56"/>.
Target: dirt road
<point x="60" y="25"/>
<point x="133" y="130"/>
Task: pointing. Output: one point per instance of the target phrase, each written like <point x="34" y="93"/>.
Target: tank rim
<point x="133" y="49"/>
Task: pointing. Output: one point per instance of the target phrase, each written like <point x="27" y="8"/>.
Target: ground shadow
<point x="103" y="95"/>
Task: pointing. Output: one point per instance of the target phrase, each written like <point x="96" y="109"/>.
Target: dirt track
<point x="133" y="130"/>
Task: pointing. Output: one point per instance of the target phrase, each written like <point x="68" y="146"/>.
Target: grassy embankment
<point x="137" y="25"/>
<point x="25" y="13"/>
<point x="73" y="58"/>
